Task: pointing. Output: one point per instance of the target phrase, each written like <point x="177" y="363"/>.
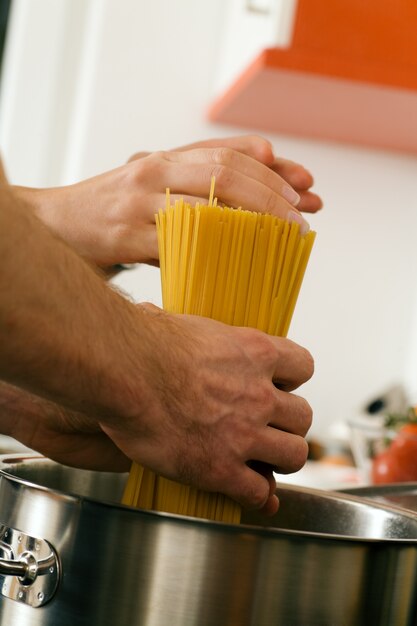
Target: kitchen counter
<point x="322" y="475"/>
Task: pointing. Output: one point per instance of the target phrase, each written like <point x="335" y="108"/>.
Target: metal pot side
<point x="324" y="560"/>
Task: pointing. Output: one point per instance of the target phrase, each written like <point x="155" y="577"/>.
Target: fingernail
<point x="290" y="195"/>
<point x="295" y="216"/>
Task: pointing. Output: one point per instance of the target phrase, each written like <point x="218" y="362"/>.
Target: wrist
<point x="45" y="204"/>
<point x="132" y="376"/>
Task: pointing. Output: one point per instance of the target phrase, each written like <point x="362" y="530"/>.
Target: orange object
<point x="350" y="75"/>
<point x="398" y="463"/>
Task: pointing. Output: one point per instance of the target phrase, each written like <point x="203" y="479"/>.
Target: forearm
<point x="10" y="408"/>
<point x="3" y="178"/>
<point x="66" y="436"/>
<point x="20" y="411"/>
<point x="59" y="321"/>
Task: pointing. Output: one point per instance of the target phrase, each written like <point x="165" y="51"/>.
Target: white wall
<point x="141" y="77"/>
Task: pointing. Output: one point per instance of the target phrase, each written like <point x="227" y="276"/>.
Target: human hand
<point x="60" y="434"/>
<point x="191" y="398"/>
<point x="214" y="400"/>
<point x="110" y="219"/>
<point x="261" y="150"/>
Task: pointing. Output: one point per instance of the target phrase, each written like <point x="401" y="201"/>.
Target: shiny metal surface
<point x="29" y="568"/>
<point x="403" y="495"/>
<point x="325" y="560"/>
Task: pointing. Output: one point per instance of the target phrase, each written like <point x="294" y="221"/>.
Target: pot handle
<point x="29" y="568"/>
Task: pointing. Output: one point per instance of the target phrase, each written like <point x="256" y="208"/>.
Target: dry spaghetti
<point x="236" y="266"/>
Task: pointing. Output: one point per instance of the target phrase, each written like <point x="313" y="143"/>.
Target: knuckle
<point x="262" y="145"/>
<point x="266" y="397"/>
<point x="259" y="344"/>
<point x="257" y="138"/>
<point x="266" y="147"/>
<point x="223" y="175"/>
<point x="224" y="155"/>
<point x="149" y="166"/>
<point x="138" y="155"/>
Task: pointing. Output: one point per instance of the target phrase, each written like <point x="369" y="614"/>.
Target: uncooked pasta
<point x="236" y="266"/>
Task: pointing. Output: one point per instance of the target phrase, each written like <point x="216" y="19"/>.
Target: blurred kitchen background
<point x="86" y="83"/>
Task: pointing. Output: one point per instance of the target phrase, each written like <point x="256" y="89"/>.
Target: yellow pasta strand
<point x="211" y="195"/>
<point x="236" y="266"/>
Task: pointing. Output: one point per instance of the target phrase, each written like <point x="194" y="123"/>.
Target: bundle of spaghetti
<point x="236" y="266"/>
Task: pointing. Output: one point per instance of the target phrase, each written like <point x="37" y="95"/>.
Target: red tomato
<point x="398" y="463"/>
<point x="409" y="430"/>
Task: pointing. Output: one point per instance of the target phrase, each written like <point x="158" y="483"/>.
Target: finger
<point x="227" y="162"/>
<point x="309" y="202"/>
<point x="260" y="149"/>
<point x="294" y="414"/>
<point x="249" y="488"/>
<point x="233" y="188"/>
<point x="271" y="506"/>
<point x="301" y="180"/>
<point x="267" y="471"/>
<point x="252" y="145"/>
<point x="285" y="452"/>
<point x="294" y="173"/>
<point x="292" y="365"/>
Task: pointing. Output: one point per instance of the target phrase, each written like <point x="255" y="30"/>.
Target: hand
<point x="109" y="219"/>
<point x="216" y="399"/>
<point x="189" y="397"/>
<point x="260" y="149"/>
<point x="62" y="435"/>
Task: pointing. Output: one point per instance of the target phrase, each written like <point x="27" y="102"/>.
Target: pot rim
<point x="10" y="460"/>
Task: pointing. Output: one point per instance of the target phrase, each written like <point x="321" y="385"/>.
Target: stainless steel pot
<point x="403" y="495"/>
<point x="326" y="559"/>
